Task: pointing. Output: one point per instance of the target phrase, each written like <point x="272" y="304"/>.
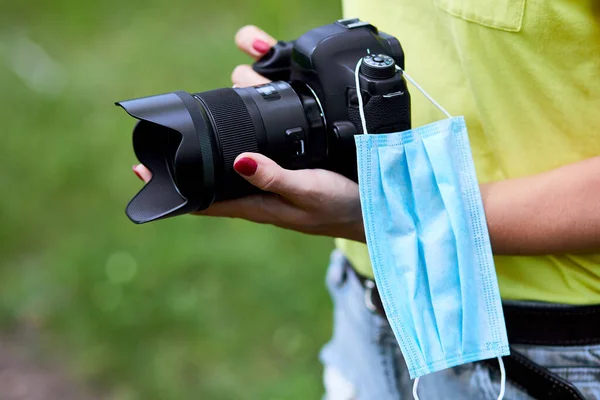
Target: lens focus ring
<point x="235" y="132"/>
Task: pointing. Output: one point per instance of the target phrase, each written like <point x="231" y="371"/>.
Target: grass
<point x="187" y="308"/>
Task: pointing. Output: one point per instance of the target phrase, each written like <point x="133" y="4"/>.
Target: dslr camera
<point x="305" y="118"/>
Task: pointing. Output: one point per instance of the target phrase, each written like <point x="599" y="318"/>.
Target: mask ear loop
<point x="502" y="382"/>
<point x="361" y="109"/>
<point x="415" y="84"/>
<point x="502" y="379"/>
<point x="415" y="385"/>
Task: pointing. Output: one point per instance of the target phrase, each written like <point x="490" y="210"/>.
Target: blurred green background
<point x="186" y="308"/>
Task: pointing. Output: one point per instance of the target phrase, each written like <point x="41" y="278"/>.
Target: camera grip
<point x="275" y="65"/>
<point x="383" y="114"/>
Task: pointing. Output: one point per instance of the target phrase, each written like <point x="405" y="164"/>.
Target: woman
<point x="526" y="76"/>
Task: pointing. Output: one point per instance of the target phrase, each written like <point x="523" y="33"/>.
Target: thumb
<point x="267" y="175"/>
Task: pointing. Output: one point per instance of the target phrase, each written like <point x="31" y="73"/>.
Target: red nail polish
<point x="137" y="173"/>
<point x="246" y="166"/>
<point x="261" y="46"/>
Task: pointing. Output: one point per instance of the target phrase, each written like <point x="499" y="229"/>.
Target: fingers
<point x="253" y="41"/>
<point x="256" y="43"/>
<point x="263" y="209"/>
<point x="142" y="172"/>
<point x="244" y="76"/>
<point x="267" y="175"/>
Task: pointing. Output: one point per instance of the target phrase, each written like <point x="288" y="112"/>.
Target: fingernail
<point x="261" y="46"/>
<point x="246" y="166"/>
<point x="136" y="172"/>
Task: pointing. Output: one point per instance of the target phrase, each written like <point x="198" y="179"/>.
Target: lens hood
<point x="173" y="140"/>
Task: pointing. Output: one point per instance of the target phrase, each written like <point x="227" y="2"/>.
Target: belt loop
<point x="338" y="270"/>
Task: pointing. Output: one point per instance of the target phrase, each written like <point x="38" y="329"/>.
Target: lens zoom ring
<point x="234" y="129"/>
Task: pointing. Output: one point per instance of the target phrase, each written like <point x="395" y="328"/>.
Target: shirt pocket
<point x="506" y="15"/>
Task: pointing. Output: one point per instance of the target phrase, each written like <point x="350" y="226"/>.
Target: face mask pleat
<point x="404" y="224"/>
<point x="437" y="250"/>
<point x="449" y="188"/>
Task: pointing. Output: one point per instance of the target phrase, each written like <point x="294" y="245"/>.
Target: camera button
<point x="294" y="134"/>
<point x="295" y="139"/>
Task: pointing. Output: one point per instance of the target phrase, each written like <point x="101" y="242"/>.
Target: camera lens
<point x="189" y="142"/>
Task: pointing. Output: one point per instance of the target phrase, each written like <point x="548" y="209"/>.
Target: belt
<point x="534" y="324"/>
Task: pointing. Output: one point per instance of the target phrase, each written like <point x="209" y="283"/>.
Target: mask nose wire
<point x="361" y="109"/>
<point x="502" y="382"/>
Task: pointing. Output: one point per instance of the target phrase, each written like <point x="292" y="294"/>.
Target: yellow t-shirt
<point x="526" y="76"/>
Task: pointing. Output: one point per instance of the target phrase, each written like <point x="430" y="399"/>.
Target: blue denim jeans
<point x="363" y="360"/>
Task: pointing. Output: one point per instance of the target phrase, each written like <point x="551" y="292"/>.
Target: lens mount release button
<point x="295" y="138"/>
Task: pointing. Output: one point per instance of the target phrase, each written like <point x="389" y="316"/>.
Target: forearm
<point x="549" y="213"/>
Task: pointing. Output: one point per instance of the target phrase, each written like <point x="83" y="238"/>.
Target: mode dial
<point x="378" y="66"/>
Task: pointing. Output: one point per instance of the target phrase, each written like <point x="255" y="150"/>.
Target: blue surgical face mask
<point x="429" y="244"/>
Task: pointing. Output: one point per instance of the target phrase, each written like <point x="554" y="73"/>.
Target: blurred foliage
<point x="179" y="309"/>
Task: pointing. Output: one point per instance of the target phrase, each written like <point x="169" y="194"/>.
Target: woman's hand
<point x="313" y="201"/>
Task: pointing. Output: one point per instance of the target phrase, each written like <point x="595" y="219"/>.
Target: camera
<point x="306" y="117"/>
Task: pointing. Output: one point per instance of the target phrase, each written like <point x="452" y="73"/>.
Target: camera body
<point x="324" y="59"/>
<point x="306" y="118"/>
